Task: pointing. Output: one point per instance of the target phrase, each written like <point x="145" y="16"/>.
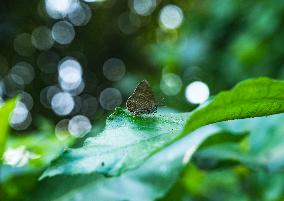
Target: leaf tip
<point x="48" y="173"/>
<point x="43" y="175"/>
<point x="117" y="112"/>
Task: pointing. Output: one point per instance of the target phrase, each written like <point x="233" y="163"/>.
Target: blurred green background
<point x="219" y="43"/>
<point x="73" y="62"/>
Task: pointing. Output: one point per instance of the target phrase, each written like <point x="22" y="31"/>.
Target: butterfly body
<point x="142" y="101"/>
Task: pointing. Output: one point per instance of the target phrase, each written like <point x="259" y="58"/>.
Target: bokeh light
<point x="114" y="69"/>
<point x="19" y="114"/>
<point x="20" y="117"/>
<point x="110" y="98"/>
<point x="15" y="81"/>
<point x="62" y="103"/>
<point x="22" y="73"/>
<point x="59" y="8"/>
<point x="170" y="84"/>
<point x="70" y="75"/>
<point x="63" y="32"/>
<point x="70" y="71"/>
<point x="81" y="15"/>
<point x="73" y="89"/>
<point x="144" y="7"/>
<point x="41" y="38"/>
<point x="23" y="125"/>
<point x="61" y="130"/>
<point x="27" y="99"/>
<point x="47" y="94"/>
<point x="79" y="126"/>
<point x="171" y="17"/>
<point x="197" y="92"/>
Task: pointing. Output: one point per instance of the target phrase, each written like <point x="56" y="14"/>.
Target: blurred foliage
<point x="238" y="169"/>
<point x="221" y="39"/>
<point x="17" y="182"/>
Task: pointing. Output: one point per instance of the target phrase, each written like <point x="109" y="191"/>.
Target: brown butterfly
<point x="142" y="101"/>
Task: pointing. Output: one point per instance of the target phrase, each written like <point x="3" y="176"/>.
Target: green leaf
<point x="5" y="112"/>
<point x="148" y="182"/>
<point x="250" y="98"/>
<point x="129" y="140"/>
<point x="124" y="144"/>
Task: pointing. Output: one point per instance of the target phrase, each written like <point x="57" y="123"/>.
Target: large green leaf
<point x="146" y="183"/>
<point x="129" y="140"/>
<point x="124" y="144"/>
<point x="153" y="179"/>
<point x="5" y="112"/>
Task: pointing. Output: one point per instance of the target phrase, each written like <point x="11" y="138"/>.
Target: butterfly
<point x="142" y="101"/>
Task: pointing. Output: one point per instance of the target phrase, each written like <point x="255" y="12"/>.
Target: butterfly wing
<point x="142" y="100"/>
